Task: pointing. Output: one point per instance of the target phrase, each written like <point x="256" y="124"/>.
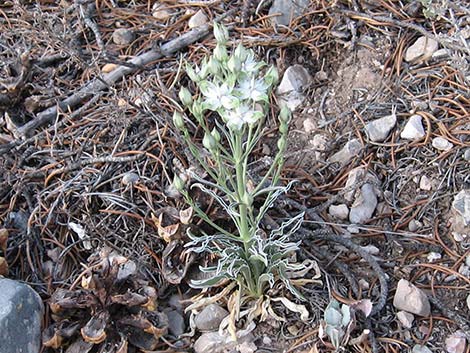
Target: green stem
<point x="241" y="191"/>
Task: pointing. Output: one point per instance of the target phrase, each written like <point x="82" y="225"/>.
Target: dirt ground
<point x="87" y="158"/>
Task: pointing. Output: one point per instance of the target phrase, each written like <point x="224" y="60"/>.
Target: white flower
<point x="218" y="96"/>
<point x="249" y="65"/>
<point x="235" y="118"/>
<point x="253" y="89"/>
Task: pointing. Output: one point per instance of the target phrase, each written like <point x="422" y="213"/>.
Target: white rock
<point x="309" y="125"/>
<point x="130" y="178"/>
<point x="210" y="317"/>
<point x="353" y="229"/>
<point x="421" y="50"/>
<point x="197" y="20"/>
<point x="284" y="11"/>
<point x="405" y="318"/>
<point x="123" y="36"/>
<point x="159" y="12"/>
<point x="413" y="129"/>
<point x="339" y="211"/>
<point x="379" y="129"/>
<point x="456" y="343"/>
<point x="364" y="284"/>
<point x="355" y="176"/>
<point x="464" y="270"/>
<point x="213" y="342"/>
<point x="319" y="142"/>
<point x="433" y="256"/>
<point x="425" y="183"/>
<point x="461" y="206"/>
<point x="440" y="54"/>
<point x="364" y="206"/>
<point x="350" y="150"/>
<point x="290" y="91"/>
<point x="441" y="144"/>
<point x="411" y="299"/>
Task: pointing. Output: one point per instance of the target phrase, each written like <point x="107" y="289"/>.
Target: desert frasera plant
<point x="231" y="105"/>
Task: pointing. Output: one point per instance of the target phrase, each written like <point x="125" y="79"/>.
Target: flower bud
<point x="220" y="33"/>
<point x="272" y="76"/>
<point x="209" y="142"/>
<point x="220" y="52"/>
<point x="178" y="183"/>
<point x="213" y="66"/>
<point x="215" y="134"/>
<point x="241" y="53"/>
<point x="178" y="120"/>
<point x="283" y="128"/>
<point x="281" y="143"/>
<point x="191" y="73"/>
<point x="285" y="114"/>
<point x="185" y="97"/>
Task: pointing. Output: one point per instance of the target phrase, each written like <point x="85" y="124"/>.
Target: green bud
<point x="272" y="76"/>
<point x="285" y="114"/>
<point x="192" y="73"/>
<point x="213" y="66"/>
<point x="178" y="120"/>
<point x="283" y="128"/>
<point x="234" y="64"/>
<point x="197" y="109"/>
<point x="220" y="33"/>
<point x="209" y="142"/>
<point x="220" y="52"/>
<point x="281" y="143"/>
<point x="185" y="97"/>
<point x="178" y="183"/>
<point x="215" y="134"/>
<point x="241" y="53"/>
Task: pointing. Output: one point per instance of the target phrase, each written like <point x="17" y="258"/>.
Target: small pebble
<point x="441" y="144"/>
<point x="160" y="13"/>
<point x="379" y="129"/>
<point x="123" y="36"/>
<point x="425" y="183"/>
<point x="414" y="225"/>
<point x="433" y="256"/>
<point x="421" y="50"/>
<point x="339" y="211"/>
<point x="130" y="178"/>
<point x="197" y="20"/>
<point x="405" y="318"/>
<point x="108" y="68"/>
<point x="466" y="155"/>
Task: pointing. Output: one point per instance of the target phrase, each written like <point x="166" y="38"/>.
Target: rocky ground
<point x="379" y="145"/>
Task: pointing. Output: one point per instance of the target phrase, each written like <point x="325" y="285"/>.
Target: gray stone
<point x="130" y="178"/>
<point x="413" y="129"/>
<point x="350" y="150"/>
<point x="379" y="129"/>
<point x="461" y="206"/>
<point x="414" y="225"/>
<point x="21" y="312"/>
<point x="176" y="325"/>
<point x="284" y="11"/>
<point x="123" y="36"/>
<point x="213" y="342"/>
<point x="197" y="20"/>
<point x="411" y="299"/>
<point x="466" y="155"/>
<point x="441" y="144"/>
<point x="364" y="206"/>
<point x="339" y="211"/>
<point x="290" y="91"/>
<point x="425" y="183"/>
<point x="210" y="317"/>
<point x="456" y="342"/>
<point x="421" y="50"/>
<point x="405" y="318"/>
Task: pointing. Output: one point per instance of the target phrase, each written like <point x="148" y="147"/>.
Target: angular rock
<point x="290" y="91"/>
<point x="420" y="349"/>
<point x="284" y="11"/>
<point x="197" y="20"/>
<point x="210" y="317"/>
<point x="130" y="178"/>
<point x="160" y="13"/>
<point x="413" y="129"/>
<point x="461" y="206"/>
<point x="176" y="325"/>
<point x="123" y="36"/>
<point x="414" y="225"/>
<point x="421" y="50"/>
<point x="213" y="342"/>
<point x="411" y="299"/>
<point x="350" y="150"/>
<point x="441" y="144"/>
<point x="339" y="211"/>
<point x="456" y="343"/>
<point x="364" y="206"/>
<point x="405" y="318"/>
<point x="425" y="183"/>
<point x="319" y="142"/>
<point x="21" y="312"/>
<point x="379" y="129"/>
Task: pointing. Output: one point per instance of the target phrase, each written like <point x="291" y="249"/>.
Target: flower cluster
<point x="231" y="85"/>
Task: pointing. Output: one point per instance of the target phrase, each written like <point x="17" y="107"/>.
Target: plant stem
<point x="241" y="190"/>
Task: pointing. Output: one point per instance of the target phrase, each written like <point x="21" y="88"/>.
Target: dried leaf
<point x="129" y="299"/>
<point x="79" y="346"/>
<point x="3" y="240"/>
<point x="298" y="308"/>
<point x="80" y="231"/>
<point x="3" y="266"/>
<point x="95" y="329"/>
<point x="175" y="262"/>
<point x="51" y="338"/>
<point x="186" y="215"/>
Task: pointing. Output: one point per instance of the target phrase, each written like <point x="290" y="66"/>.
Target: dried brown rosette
<point x="112" y="310"/>
<point x="3" y="252"/>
